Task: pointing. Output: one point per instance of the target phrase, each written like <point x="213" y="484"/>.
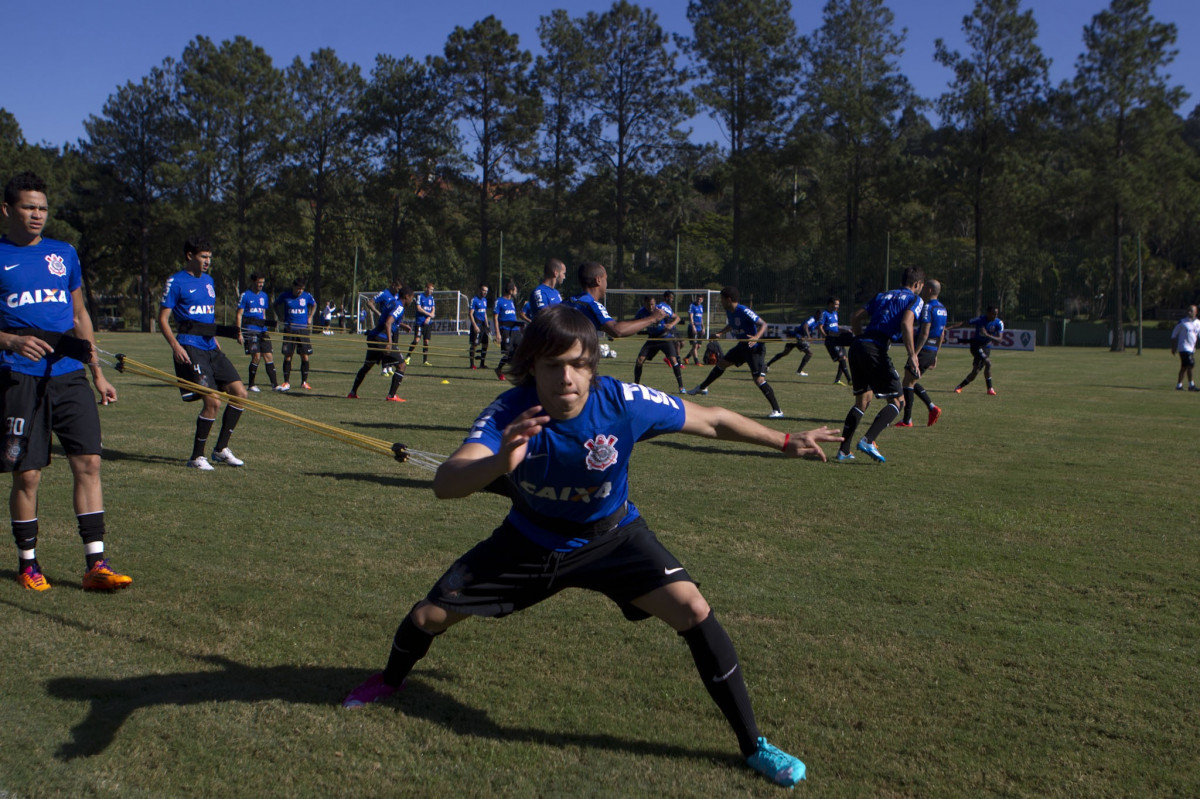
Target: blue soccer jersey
<point x="577" y="470"/>
<point x="983" y="327"/>
<point x="807" y="328"/>
<point x="542" y="298"/>
<point x="829" y="321"/>
<point x="659" y="328"/>
<point x="36" y="282"/>
<point x="424" y="301"/>
<point x="506" y="313"/>
<point x="479" y="306"/>
<point x="192" y="298"/>
<point x="254" y="310"/>
<point x="696" y="315"/>
<point x="389" y="307"/>
<point x="296" y="309"/>
<point x="742" y="321"/>
<point x="887" y="310"/>
<point x="593" y="309"/>
<point x="936" y="315"/>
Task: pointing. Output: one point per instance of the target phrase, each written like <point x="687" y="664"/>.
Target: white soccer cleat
<point x="255" y="389"/>
<point x="775" y="415"/>
<point x="227" y="457"/>
<point x="284" y="387"/>
<point x="201" y="463"/>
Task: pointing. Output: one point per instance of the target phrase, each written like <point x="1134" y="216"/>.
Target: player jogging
<point x="987" y="332"/>
<point x="564" y="431"/>
<point x="381" y="340"/>
<point x="746" y="326"/>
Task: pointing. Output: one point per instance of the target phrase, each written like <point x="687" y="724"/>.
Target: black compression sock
<point x="886" y="416"/>
<point x="717" y="662"/>
<point x="769" y="393"/>
<point x="395" y="386"/>
<point x="848" y="428"/>
<point x="713" y="375"/>
<point x="271" y="374"/>
<point x="408" y="646"/>
<point x="908" y="404"/>
<point x="253" y="370"/>
<point x="228" y="422"/>
<point x="203" y="428"/>
<point x="360" y="377"/>
<point x="923" y="394"/>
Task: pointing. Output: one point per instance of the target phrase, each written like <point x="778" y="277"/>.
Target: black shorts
<point x="297" y="341"/>
<point x="1187" y="359"/>
<point x="695" y="333"/>
<point x="926" y="360"/>
<point x="835" y="351"/>
<point x="378" y="352"/>
<point x="257" y="343"/>
<point x="507" y="572"/>
<point x="209" y="368"/>
<point x="800" y="344"/>
<point x="871" y="369"/>
<point x="479" y="335"/>
<point x="742" y="353"/>
<point x="35" y="407"/>
<point x="422" y="331"/>
<point x="981" y="354"/>
<point x="666" y="347"/>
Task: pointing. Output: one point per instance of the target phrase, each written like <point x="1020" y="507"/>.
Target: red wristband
<point x="786" y="438"/>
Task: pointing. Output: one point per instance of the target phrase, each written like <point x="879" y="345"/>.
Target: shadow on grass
<point x="110" y="454"/>
<point x="114" y="701"/>
<point x="443" y="428"/>
<point x="388" y="480"/>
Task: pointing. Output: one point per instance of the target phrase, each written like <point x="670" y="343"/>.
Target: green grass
<point x="1007" y="607"/>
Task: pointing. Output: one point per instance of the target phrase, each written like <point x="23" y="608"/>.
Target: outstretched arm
<point x="713" y="421"/>
<point x="473" y="466"/>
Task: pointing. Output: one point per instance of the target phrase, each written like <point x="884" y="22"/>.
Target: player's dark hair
<point x="195" y="244"/>
<point x="589" y="274"/>
<point x="22" y="181"/>
<point x="256" y="276"/>
<point x="991" y="308"/>
<point x="912" y="276"/>
<point x="553" y="332"/>
<point x="299" y="283"/>
<point x="483" y="286"/>
<point x="647" y="298"/>
<point x="832" y="299"/>
<point x="404" y="291"/>
<point x="731" y="293"/>
<point x="509" y="287"/>
<point x="552" y="266"/>
<point x="668" y="293"/>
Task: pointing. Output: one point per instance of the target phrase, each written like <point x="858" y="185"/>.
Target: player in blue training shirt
<point x="46" y="338"/>
<point x="662" y="336"/>
<point x="189" y="298"/>
<point x="988" y="330"/>
<point x="423" y="326"/>
<point x="827" y="326"/>
<point x="931" y="335"/>
<point x="559" y="445"/>
<point x="252" y="330"/>
<point x="508" y="326"/>
<point x="696" y="334"/>
<point x="295" y="309"/>
<point x="892" y="316"/>
<point x="479" y="327"/>
<point x="381" y="339"/>
<point x="749" y="329"/>
<point x="545" y="294"/>
<point x="594" y="279"/>
<point x="802" y="332"/>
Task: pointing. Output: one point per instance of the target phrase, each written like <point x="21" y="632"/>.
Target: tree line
<point x="487" y="159"/>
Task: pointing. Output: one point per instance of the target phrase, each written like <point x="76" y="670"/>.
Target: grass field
<point x="1008" y="607"/>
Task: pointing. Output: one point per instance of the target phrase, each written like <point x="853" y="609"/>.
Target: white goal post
<point x="451" y="310"/>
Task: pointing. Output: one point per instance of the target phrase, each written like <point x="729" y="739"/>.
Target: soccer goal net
<point x="451" y="310"/>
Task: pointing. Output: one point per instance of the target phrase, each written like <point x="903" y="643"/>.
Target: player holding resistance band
<point x="562" y="433"/>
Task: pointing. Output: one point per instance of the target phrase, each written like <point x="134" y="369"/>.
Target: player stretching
<point x="987" y="332"/>
<point x="828" y="327"/>
<point x="747" y="326"/>
<point x="564" y="430"/>
<point x="381" y="340"/>
<point x="930" y="338"/>
<point x="802" y="332"/>
<point x="45" y="341"/>
<point x="664" y="331"/>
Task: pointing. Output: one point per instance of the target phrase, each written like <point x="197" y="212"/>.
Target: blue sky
<point x="80" y="51"/>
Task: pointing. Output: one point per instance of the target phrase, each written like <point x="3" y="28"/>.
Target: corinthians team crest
<point x="602" y="452"/>
<point x="55" y="262"/>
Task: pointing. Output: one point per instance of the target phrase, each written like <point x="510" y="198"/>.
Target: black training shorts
<point x="981" y="354"/>
<point x="1187" y="360"/>
<point x="378" y="352"/>
<point x="836" y="353"/>
<point x="209" y="368"/>
<point x="743" y="353"/>
<point x="35" y="407"/>
<point x="871" y="369"/>
<point x="256" y="343"/>
<point x="666" y="347"/>
<point x="297" y="342"/>
<point x="507" y="572"/>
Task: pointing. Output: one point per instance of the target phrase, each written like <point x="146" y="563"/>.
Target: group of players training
<point x="558" y="443"/>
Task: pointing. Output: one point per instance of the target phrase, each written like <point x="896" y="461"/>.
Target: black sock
<point x="769" y="393"/>
<point x="25" y="534"/>
<point x="408" y="646"/>
<point x="989" y="381"/>
<point x="908" y="403"/>
<point x="637" y="373"/>
<point x="678" y="374"/>
<point x="228" y="422"/>
<point x="253" y="373"/>
<point x="713" y="375"/>
<point x="967" y="380"/>
<point x="717" y="662"/>
<point x="91" y="530"/>
<point x="887" y="414"/>
<point x="924" y="395"/>
<point x="776" y="358"/>
<point x="271" y="374"/>
<point x="287" y="371"/>
<point x="304" y="371"/>
<point x="804" y="362"/>
<point x="848" y="428"/>
<point x="397" y="376"/>
<point x="360" y="377"/>
<point x="203" y="426"/>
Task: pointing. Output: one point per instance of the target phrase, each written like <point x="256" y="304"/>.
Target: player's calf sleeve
<point x="849" y="426"/>
<point x="203" y="428"/>
<point x="25" y="534"/>
<point x="678" y="373"/>
<point x="91" y="530"/>
<point x="805" y="360"/>
<point x="408" y="646"/>
<point x="252" y="372"/>
<point x="769" y="393"/>
<point x="396" y="378"/>
<point x="712" y="376"/>
<point x="304" y="371"/>
<point x="717" y="662"/>
<point x="360" y="377"/>
<point x="637" y="373"/>
<point x="271" y="374"/>
<point x="887" y="414"/>
<point x="228" y="422"/>
<point x="908" y="403"/>
<point x="923" y="394"/>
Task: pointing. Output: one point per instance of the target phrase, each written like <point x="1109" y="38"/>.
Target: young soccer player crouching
<point x="562" y="432"/>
